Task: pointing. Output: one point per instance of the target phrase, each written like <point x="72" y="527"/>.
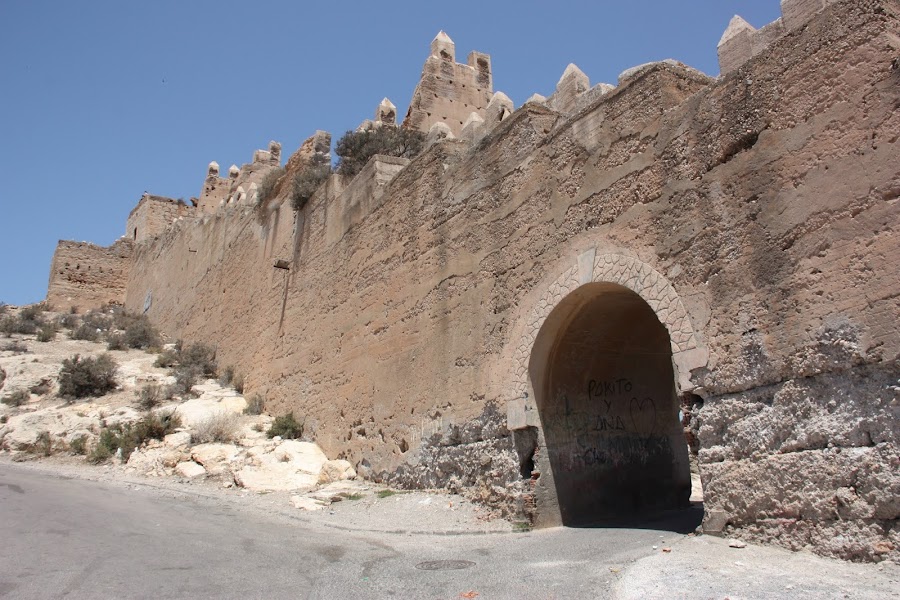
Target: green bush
<point x="101" y="319"/>
<point x="268" y="187"/>
<point x="69" y="321"/>
<point x="200" y="357"/>
<point x="116" y="341"/>
<point x="357" y="147"/>
<point x="104" y="448"/>
<point x="81" y="377"/>
<point x="287" y="427"/>
<point x="307" y="180"/>
<point x="17" y="398"/>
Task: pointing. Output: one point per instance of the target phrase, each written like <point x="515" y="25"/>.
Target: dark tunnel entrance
<point x="609" y="410"/>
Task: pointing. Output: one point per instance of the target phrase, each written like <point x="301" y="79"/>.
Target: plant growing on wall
<point x="307" y="181"/>
<point x="357" y="147"/>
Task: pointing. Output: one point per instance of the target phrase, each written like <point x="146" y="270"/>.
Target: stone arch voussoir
<point x="687" y="351"/>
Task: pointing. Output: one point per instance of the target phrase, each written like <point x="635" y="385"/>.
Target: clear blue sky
<point x="102" y="100"/>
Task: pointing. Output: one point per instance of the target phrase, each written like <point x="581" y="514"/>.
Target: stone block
<point x="796" y="13"/>
<point x="736" y="45"/>
<point x="515" y="414"/>
<point x="189" y="469"/>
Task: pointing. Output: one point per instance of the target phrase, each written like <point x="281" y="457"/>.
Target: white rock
<point x="336" y="470"/>
<point x="304" y="503"/>
<point x="303" y="456"/>
<point x="155" y="460"/>
<point x="177" y="440"/>
<point x="189" y="469"/>
<point x="197" y="410"/>
<point x="274" y="478"/>
<point x="215" y="458"/>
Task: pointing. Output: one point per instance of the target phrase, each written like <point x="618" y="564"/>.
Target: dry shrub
<point x="81" y="377"/>
<point x="153" y="394"/>
<point x="42" y="387"/>
<point x="256" y="404"/>
<point x="17" y="398"/>
<point x="220" y="427"/>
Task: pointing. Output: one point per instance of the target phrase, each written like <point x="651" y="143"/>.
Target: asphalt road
<point x="70" y="538"/>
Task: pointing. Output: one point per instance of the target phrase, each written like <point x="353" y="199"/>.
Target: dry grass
<point x="220" y="427"/>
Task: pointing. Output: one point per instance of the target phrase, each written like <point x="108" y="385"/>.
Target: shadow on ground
<point x="684" y="521"/>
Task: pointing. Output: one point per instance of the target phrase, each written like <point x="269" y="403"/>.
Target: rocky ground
<point x="293" y="475"/>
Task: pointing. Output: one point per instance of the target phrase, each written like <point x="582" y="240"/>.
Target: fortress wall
<point x="766" y="201"/>
<point x="152" y="216"/>
<point x="86" y="276"/>
<point x="448" y="92"/>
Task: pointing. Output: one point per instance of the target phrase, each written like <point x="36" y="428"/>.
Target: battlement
<point x="741" y="41"/>
<point x="448" y="92"/>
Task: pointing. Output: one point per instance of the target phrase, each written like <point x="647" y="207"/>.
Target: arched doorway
<point x="605" y="392"/>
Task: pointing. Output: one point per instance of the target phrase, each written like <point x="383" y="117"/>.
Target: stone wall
<point x="754" y="214"/>
<point x="153" y="215"/>
<point x="85" y="276"/>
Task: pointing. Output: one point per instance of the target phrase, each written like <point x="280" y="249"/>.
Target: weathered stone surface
<point x="304" y="503"/>
<point x="178" y="440"/>
<point x="336" y="470"/>
<point x="157" y="461"/>
<point x="210" y="403"/>
<point x="216" y="458"/>
<point x="87" y="276"/>
<point x="272" y="477"/>
<point x="189" y="469"/>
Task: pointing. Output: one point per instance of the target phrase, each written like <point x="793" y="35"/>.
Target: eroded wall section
<point x="86" y="276"/>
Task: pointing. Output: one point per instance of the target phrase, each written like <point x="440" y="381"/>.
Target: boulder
<point x="197" y="410"/>
<point x="215" y="458"/>
<point x="275" y="477"/>
<point x="155" y="461"/>
<point x="290" y="466"/>
<point x="336" y="470"/>
<point x="303" y="456"/>
<point x="178" y="440"/>
<point x="189" y="469"/>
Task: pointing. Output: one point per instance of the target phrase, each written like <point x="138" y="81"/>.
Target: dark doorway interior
<point x="609" y="412"/>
